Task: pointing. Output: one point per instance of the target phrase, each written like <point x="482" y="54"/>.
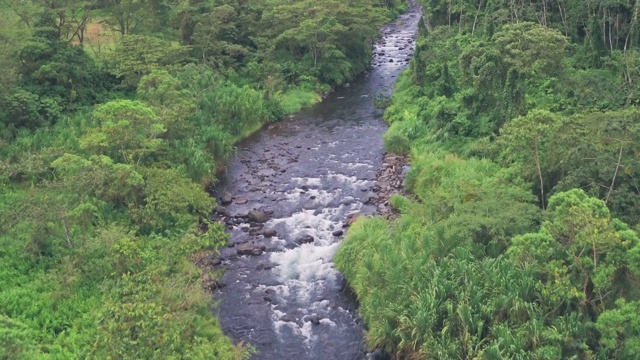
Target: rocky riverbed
<point x="287" y="199"/>
<point x="389" y="181"/>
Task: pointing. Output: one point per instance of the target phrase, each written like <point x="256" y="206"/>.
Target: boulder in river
<point x="249" y="249"/>
<point x="222" y="211"/>
<point x="241" y="200"/>
<point x="337" y="233"/>
<point x="304" y="239"/>
<point x="314" y="319"/>
<point x="258" y="216"/>
<point x="269" y="233"/>
<point x="226" y="198"/>
<point x="287" y="318"/>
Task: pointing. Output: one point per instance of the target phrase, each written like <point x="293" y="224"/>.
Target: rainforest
<point x="513" y="235"/>
<point x="115" y="119"/>
<point x="518" y="238"/>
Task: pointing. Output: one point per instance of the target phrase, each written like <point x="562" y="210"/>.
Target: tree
<point x="582" y="255"/>
<point x="125" y="15"/>
<point x="125" y="130"/>
<point x="502" y="70"/>
<point x="171" y="201"/>
<point x="216" y="37"/>
<point x="533" y="145"/>
<point x="620" y="330"/>
<point x="138" y="55"/>
<point x="332" y="39"/>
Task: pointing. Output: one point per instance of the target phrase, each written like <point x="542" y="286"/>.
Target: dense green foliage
<point x="114" y="116"/>
<point x="519" y="239"/>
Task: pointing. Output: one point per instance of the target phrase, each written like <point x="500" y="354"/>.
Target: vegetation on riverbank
<point x="520" y="239"/>
<point x="114" y="117"/>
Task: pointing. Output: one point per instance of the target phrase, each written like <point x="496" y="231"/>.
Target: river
<point x="302" y="178"/>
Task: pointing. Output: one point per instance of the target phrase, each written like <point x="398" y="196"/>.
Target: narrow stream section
<point x="287" y="196"/>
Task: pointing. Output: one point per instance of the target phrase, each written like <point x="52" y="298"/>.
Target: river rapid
<point x="287" y="197"/>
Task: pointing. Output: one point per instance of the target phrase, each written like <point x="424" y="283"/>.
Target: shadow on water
<point x="301" y="179"/>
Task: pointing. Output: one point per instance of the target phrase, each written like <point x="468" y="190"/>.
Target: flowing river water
<point x="302" y="178"/>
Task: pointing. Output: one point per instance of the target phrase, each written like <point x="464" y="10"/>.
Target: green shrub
<point x="396" y="142"/>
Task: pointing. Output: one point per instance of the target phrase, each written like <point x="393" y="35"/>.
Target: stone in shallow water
<point x="304" y="239"/>
<point x="258" y="216"/>
<point x="249" y="249"/>
<point x="226" y="198"/>
<point x="269" y="233"/>
<point x="314" y="319"/>
<point x="287" y="318"/>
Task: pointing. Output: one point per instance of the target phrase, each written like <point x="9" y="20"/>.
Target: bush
<point x="21" y="109"/>
<point x="396" y="142"/>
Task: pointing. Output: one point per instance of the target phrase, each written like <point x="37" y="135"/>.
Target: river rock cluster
<point x="389" y="181"/>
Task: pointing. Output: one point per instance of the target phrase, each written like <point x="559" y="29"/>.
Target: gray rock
<point x="369" y="199"/>
<point x="378" y="355"/>
<point x="287" y="318"/>
<point x="337" y="233"/>
<point x="247" y="249"/>
<point x="222" y="211"/>
<point x="314" y="319"/>
<point x="347" y="201"/>
<point x="226" y="198"/>
<point x="269" y="233"/>
<point x="241" y="200"/>
<point x="304" y="239"/>
<point x="258" y="216"/>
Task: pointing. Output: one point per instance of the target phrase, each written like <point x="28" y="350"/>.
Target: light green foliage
<point x="424" y="296"/>
<point x="620" y="330"/>
<point x="146" y="317"/>
<point x="125" y="130"/>
<point x="16" y="340"/>
<point x="583" y="256"/>
<point x="472" y="201"/>
<point x="295" y="99"/>
<point x="171" y="201"/>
